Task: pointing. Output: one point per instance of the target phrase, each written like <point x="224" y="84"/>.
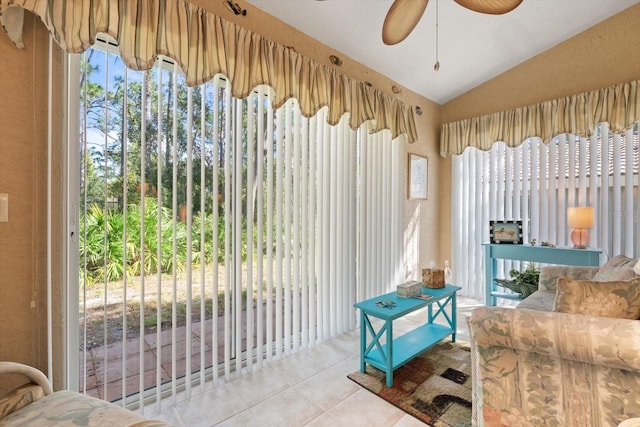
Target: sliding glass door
<point x="216" y="234"/>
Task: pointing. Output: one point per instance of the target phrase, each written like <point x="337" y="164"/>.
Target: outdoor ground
<point x="109" y="322"/>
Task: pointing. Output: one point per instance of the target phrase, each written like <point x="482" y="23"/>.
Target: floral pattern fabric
<point x="19" y="398"/>
<point x="619" y="267"/>
<point x="536" y="368"/>
<point x="607" y="299"/>
<point x="67" y="408"/>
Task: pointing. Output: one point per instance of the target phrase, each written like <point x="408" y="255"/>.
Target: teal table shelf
<point x="392" y="352"/>
<point x="589" y="257"/>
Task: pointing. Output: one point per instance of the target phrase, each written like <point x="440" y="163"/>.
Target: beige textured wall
<point x="23" y="167"/>
<point x="421" y="217"/>
<point x="601" y="56"/>
<point x="21" y="155"/>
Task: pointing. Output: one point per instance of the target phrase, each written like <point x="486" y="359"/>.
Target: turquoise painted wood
<point x="404" y="348"/>
<point x="589" y="257"/>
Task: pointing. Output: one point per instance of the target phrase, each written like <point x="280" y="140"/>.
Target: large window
<point x="536" y="183"/>
<point x="217" y="234"/>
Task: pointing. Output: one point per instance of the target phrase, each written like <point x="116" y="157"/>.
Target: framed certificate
<point x="417" y="179"/>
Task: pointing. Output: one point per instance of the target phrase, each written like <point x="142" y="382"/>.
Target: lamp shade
<point x="580" y="217"/>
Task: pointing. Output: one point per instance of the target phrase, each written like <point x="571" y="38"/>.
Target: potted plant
<point x="523" y="282"/>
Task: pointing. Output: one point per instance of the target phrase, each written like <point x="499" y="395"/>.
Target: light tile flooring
<point x="309" y="388"/>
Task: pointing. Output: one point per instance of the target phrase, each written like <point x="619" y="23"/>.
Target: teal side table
<point x="404" y="348"/>
<point x="589" y="257"/>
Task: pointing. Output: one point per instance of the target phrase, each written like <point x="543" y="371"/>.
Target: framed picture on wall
<point x="509" y="232"/>
<point x="417" y="179"/>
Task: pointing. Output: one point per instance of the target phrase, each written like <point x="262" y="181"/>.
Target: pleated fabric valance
<point x="580" y="114"/>
<point x="204" y="45"/>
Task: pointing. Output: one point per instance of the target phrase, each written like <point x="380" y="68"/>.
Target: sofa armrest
<point x="32" y="374"/>
<point x="610" y="342"/>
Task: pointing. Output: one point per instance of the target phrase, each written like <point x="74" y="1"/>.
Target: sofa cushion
<point x="549" y="275"/>
<point x="619" y="267"/>
<point x="68" y="408"/>
<point x="619" y="299"/>
<point x="539" y="300"/>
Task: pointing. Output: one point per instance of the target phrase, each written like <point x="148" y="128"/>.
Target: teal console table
<point x="589" y="257"/>
<point x="395" y="352"/>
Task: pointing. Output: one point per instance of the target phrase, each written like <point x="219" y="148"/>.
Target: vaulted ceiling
<point x="472" y="47"/>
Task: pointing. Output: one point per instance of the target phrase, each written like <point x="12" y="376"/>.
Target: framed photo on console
<point x="507" y="232"/>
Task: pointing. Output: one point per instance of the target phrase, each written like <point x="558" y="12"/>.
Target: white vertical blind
<point x="250" y="153"/>
<point x="174" y="239"/>
<point x="525" y="201"/>
<point x="572" y="169"/>
<point x="594" y="149"/>
<point x="628" y="213"/>
<point x="552" y="188"/>
<point x="296" y="249"/>
<point x="543" y="195"/>
<point x="617" y="194"/>
<point x="159" y="195"/>
<point x="561" y="192"/>
<point x="603" y="211"/>
<point x="189" y="261"/>
<point x="536" y="183"/>
<point x="288" y="231"/>
<point x="534" y="229"/>
<point x="260" y="185"/>
<point x="268" y="227"/>
<point x="215" y="190"/>
<point x="466" y="226"/>
<point x="305" y="238"/>
<point x="269" y="238"/>
<point x="105" y="179"/>
<point x="202" y="211"/>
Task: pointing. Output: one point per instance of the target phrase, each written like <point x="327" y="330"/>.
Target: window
<point x="535" y="183"/>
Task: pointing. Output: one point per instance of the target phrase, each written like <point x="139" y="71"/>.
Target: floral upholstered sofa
<point x="569" y="355"/>
<point x="34" y="404"/>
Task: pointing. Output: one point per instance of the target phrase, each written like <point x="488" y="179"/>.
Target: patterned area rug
<point x="434" y="387"/>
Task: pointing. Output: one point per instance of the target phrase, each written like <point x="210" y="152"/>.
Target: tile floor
<point x="309" y="388"/>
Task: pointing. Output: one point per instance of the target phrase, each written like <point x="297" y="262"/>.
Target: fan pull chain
<point x="436" y="66"/>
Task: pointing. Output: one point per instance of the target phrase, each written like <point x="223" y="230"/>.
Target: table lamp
<point x="580" y="219"/>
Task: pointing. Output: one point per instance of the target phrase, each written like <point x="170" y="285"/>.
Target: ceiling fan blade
<point x="491" y="7"/>
<point x="401" y="19"/>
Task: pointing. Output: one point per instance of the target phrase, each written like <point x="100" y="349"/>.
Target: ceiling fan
<point x="403" y="15"/>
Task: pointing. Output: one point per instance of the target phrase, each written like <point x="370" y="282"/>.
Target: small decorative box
<point x="409" y="289"/>
<point x="433" y="278"/>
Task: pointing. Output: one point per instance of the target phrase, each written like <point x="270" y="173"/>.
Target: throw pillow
<point x="619" y="267"/>
<point x="619" y="299"/>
